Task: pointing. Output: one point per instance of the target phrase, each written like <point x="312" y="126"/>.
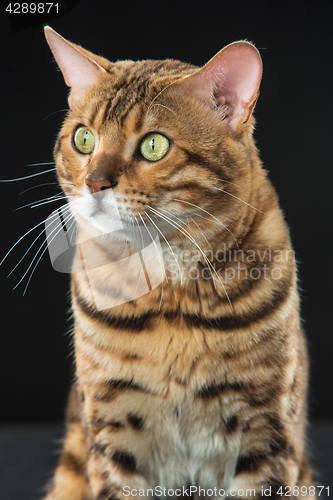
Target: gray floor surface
<point x="28" y="454"/>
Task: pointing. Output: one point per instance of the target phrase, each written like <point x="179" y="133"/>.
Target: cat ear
<point x="79" y="67"/>
<point x="230" y="82"/>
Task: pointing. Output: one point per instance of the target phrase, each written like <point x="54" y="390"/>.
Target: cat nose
<point x="96" y="185"/>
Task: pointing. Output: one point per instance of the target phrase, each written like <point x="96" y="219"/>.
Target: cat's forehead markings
<point x="131" y="145"/>
<point x="151" y="119"/>
<point x="99" y="117"/>
<point x="131" y="134"/>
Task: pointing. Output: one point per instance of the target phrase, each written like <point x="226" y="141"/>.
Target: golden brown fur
<point x="201" y="381"/>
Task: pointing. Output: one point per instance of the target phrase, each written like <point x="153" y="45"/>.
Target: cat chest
<point x="175" y="436"/>
<point x="192" y="448"/>
<point x="172" y="445"/>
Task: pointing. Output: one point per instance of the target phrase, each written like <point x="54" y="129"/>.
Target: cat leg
<point x="70" y="480"/>
<point x="306" y="479"/>
<point x="113" y="475"/>
<point x="282" y="480"/>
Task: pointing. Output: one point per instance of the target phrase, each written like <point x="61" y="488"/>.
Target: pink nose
<point x="98" y="185"/>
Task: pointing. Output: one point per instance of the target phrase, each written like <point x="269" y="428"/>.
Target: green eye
<point x="154" y="146"/>
<point x="84" y="140"/>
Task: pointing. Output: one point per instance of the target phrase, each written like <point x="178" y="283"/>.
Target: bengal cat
<point x="199" y="380"/>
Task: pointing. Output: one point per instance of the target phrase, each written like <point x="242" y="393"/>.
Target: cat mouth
<point x="97" y="212"/>
<point x="97" y="203"/>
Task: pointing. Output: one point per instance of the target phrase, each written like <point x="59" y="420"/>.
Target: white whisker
<point x="254" y="208"/>
<point x="160" y="262"/>
<point x="76" y="233"/>
<point x="151" y="220"/>
<point x="43" y="201"/>
<point x="41" y="246"/>
<point x="54" y="112"/>
<point x="228" y="182"/>
<point x="141" y="268"/>
<point x="182" y="222"/>
<point x="136" y="220"/>
<point x="183" y="231"/>
<point x="201" y="233"/>
<point x="65" y="197"/>
<point x="27" y="176"/>
<point x="66" y="219"/>
<point x="151" y="104"/>
<point x="162" y="106"/>
<point x="66" y="209"/>
<point x="38" y="185"/>
<point x="20" y="239"/>
<point x="43" y="163"/>
<point x="32" y="272"/>
<point x="159" y="93"/>
<point x="206" y="211"/>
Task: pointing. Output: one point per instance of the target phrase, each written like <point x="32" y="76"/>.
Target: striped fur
<point x="200" y="381"/>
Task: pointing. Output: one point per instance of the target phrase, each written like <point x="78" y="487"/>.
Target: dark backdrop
<point x="294" y="134"/>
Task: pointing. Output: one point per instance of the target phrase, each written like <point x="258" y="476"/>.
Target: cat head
<point x="172" y="142"/>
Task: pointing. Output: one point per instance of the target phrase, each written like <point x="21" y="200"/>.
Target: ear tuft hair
<point x="230" y="81"/>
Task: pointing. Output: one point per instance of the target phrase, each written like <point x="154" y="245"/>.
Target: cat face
<point x="158" y="143"/>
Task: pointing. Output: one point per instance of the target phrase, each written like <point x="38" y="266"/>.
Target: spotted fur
<point x="202" y="381"/>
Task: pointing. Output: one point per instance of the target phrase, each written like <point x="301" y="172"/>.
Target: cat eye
<point x="84" y="140"/>
<point x="154" y="146"/>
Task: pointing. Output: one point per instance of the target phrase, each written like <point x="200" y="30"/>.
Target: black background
<point x="294" y="135"/>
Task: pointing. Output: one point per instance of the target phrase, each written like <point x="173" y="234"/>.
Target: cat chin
<point x="101" y="224"/>
<point x="101" y="214"/>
